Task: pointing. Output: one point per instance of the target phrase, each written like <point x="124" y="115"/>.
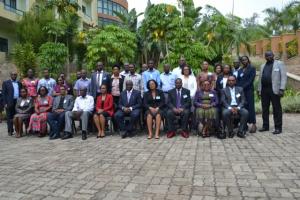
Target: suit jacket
<point x="27" y="108"/>
<point x="8" y="92"/>
<point x="67" y="105"/>
<point x="108" y="105"/>
<point x="94" y="86"/>
<point x="279" y="77"/>
<point x="246" y="77"/>
<point x="239" y="96"/>
<point x="185" y="99"/>
<point x="158" y="101"/>
<point x="121" y="82"/>
<point x="214" y="101"/>
<point x="135" y="101"/>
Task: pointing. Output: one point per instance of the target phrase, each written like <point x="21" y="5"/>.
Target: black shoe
<point x="83" y="135"/>
<point x="67" y="136"/>
<point x="241" y="134"/>
<point x="222" y="135"/>
<point x="277" y="131"/>
<point x="263" y="129"/>
<point x="123" y="134"/>
<point x="10" y="133"/>
<point x="231" y="134"/>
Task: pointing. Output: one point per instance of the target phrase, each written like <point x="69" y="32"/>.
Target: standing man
<point x="135" y="78"/>
<point x="150" y="74"/>
<point x="56" y="118"/>
<point x="11" y="92"/>
<point x="99" y="77"/>
<point x="178" y="70"/>
<point x="83" y="82"/>
<point x="47" y="82"/>
<point x="236" y="67"/>
<point x="129" y="105"/>
<point x="271" y="86"/>
<point x="167" y="81"/>
<point x="233" y="100"/>
<point x="126" y="69"/>
<point x="179" y="104"/>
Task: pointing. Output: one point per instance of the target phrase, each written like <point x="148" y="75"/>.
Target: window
<point x="3" y="45"/>
<point x="84" y="9"/>
<point x="108" y="7"/>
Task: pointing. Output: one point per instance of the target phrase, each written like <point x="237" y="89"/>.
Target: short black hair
<point x="148" y="84"/>
<point x="116" y="65"/>
<point x="190" y="71"/>
<point x="39" y="90"/>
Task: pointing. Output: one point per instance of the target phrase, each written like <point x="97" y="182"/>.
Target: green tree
<point x="53" y="56"/>
<point x="111" y="44"/>
<point x="129" y="20"/>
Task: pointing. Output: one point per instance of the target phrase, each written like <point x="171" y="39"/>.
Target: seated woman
<point x="154" y="102"/>
<point x="24" y="108"/>
<point x="104" y="108"/>
<point x="56" y="90"/>
<point x="205" y="102"/>
<point x="42" y="105"/>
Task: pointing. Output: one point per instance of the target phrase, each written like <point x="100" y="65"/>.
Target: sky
<point x="242" y="8"/>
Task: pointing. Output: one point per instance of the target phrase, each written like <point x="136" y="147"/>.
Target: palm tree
<point x="129" y="20"/>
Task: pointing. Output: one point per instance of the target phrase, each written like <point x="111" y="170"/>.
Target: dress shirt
<point x="115" y="89"/>
<point x="48" y="83"/>
<point x="84" y="104"/>
<point x="16" y="89"/>
<point x="167" y="81"/>
<point x="82" y="83"/>
<point x="233" y="98"/>
<point x="224" y="82"/>
<point x="136" y="80"/>
<point x="123" y="73"/>
<point x="129" y="93"/>
<point x="99" y="78"/>
<point x="151" y="75"/>
<point x="235" y="72"/>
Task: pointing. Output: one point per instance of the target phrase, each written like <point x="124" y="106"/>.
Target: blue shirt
<point x="82" y="83"/>
<point x="167" y="81"/>
<point x="151" y="75"/>
<point x="16" y="89"/>
<point x="48" y="83"/>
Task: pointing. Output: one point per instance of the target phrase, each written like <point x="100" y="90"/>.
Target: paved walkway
<point x="262" y="166"/>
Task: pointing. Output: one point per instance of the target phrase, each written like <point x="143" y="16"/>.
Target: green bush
<point x="292" y="48"/>
<point x="24" y="57"/>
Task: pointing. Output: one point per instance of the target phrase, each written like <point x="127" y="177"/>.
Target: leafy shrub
<point x="292" y="48"/>
<point x="24" y="57"/>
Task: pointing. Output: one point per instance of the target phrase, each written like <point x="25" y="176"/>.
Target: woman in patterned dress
<point x="42" y="105"/>
<point x="30" y="83"/>
<point x="205" y="102"/>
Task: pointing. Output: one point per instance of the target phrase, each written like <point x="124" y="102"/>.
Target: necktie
<point x="178" y="99"/>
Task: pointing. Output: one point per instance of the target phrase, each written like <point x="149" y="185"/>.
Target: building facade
<point x="92" y="13"/>
<point x="106" y="11"/>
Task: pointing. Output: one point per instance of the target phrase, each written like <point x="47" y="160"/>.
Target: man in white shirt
<point x="178" y="70"/>
<point x="126" y="70"/>
<point x="83" y="108"/>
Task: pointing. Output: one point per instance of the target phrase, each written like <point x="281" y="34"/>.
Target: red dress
<point x="107" y="105"/>
<point x="31" y="86"/>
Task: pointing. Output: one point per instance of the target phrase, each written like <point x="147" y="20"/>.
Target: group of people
<point x="211" y="102"/>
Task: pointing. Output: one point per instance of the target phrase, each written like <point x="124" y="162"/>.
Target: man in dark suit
<point x="99" y="78"/>
<point x="56" y="118"/>
<point x="179" y="104"/>
<point x="233" y="101"/>
<point x="11" y="91"/>
<point x="129" y="105"/>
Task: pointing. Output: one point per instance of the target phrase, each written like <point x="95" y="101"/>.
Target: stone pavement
<point x="262" y="166"/>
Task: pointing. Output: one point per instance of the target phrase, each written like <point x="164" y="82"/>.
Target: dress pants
<point x="250" y="106"/>
<point x="56" y="122"/>
<point x="267" y="97"/>
<point x="134" y="117"/>
<point x="10" y="112"/>
<point x="84" y="117"/>
<point x="243" y="117"/>
<point x="184" y="118"/>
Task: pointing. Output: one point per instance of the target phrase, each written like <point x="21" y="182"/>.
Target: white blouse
<point x="189" y="83"/>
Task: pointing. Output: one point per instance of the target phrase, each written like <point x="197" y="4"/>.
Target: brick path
<point x="262" y="166"/>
